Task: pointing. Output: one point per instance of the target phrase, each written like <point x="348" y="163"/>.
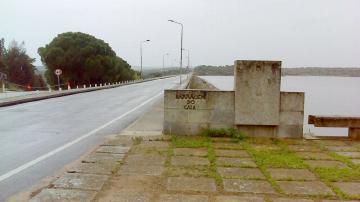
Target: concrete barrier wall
<point x="187" y="112"/>
<point x="199" y="83"/>
<point x="291" y="114"/>
<point x="256" y="106"/>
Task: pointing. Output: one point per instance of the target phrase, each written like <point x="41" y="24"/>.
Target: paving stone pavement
<point x="157" y="169"/>
<point x="248" y="186"/>
<point x="235" y="162"/>
<point x="291" y="174"/>
<point x="325" y="164"/>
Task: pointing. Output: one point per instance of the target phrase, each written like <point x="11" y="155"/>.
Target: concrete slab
<point x="226" y="198"/>
<point x="113" y="142"/>
<point x="325" y="164"/>
<point x="81" y="181"/>
<point x="290" y="200"/>
<point x="304" y="148"/>
<point x="342" y="148"/>
<point x="60" y="195"/>
<point x="181" y="171"/>
<point x="113" y="149"/>
<point x="201" y="184"/>
<point x="189" y="161"/>
<point x="227" y="145"/>
<point x="102" y="158"/>
<point x="133" y="169"/>
<point x="138" y="183"/>
<point x="145" y="159"/>
<point x="244" y="173"/>
<point x="265" y="147"/>
<point x="356" y="161"/>
<point x="291" y="174"/>
<point x="125" y="196"/>
<point x="352" y="155"/>
<point x="154" y="144"/>
<point x="248" y="186"/>
<point x="235" y="162"/>
<point x="349" y="188"/>
<point x="289" y="141"/>
<point x="94" y="168"/>
<point x="331" y="142"/>
<point x="191" y="152"/>
<point x="340" y="201"/>
<point x="314" y="155"/>
<point x="305" y="188"/>
<point x="183" y="198"/>
<point x="231" y="153"/>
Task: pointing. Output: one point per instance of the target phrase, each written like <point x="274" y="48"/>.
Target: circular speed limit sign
<point x="58" y="72"/>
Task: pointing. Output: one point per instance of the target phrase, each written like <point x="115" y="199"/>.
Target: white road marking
<point x="59" y="149"/>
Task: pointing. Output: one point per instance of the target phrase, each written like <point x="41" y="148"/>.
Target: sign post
<point x="3" y="78"/>
<point x="58" y="72"/>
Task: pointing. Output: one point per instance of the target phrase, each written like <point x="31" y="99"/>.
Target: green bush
<point x="223" y="132"/>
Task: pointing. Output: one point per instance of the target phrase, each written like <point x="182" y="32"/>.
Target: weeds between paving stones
<point x="213" y="167"/>
<point x="329" y="175"/>
<point x="325" y="174"/>
<point x="198" y="142"/>
<point x="338" y="174"/>
<point x="137" y="140"/>
<point x="264" y="155"/>
<point x="262" y="166"/>
<point x="301" y="164"/>
<point x="190" y="142"/>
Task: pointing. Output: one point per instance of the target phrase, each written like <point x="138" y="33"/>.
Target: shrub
<point x="223" y="132"/>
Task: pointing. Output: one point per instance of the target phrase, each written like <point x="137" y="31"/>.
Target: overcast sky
<point x="217" y="32"/>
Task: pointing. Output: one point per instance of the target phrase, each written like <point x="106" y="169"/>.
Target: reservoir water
<point x="324" y="95"/>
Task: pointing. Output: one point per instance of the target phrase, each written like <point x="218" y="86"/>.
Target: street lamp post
<point x="141" y="60"/>
<point x="188" y="57"/>
<point x="181" y="43"/>
<point x="163" y="66"/>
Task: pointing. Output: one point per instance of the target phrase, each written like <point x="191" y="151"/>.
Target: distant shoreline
<point x="296" y="71"/>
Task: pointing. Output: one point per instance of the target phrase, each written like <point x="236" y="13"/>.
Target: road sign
<point x="58" y="72"/>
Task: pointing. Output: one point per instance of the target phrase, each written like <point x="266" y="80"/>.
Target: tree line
<point x="82" y="58"/>
<point x="18" y="67"/>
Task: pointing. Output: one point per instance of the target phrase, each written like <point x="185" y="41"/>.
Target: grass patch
<point x="170" y="153"/>
<point x="276" y="159"/>
<point x="190" y="142"/>
<point x="213" y="172"/>
<point x="224" y="132"/>
<point x="338" y="174"/>
<point x="137" y="140"/>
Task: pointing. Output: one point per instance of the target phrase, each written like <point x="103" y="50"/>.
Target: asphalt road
<point x="39" y="138"/>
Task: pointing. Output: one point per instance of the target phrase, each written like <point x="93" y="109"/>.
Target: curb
<point x="32" y="99"/>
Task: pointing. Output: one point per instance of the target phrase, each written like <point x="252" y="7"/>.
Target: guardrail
<point x="85" y="89"/>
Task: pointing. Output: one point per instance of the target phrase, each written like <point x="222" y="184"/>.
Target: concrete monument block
<point x="257" y="92"/>
<point x="291" y="115"/>
<point x="187" y="112"/>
